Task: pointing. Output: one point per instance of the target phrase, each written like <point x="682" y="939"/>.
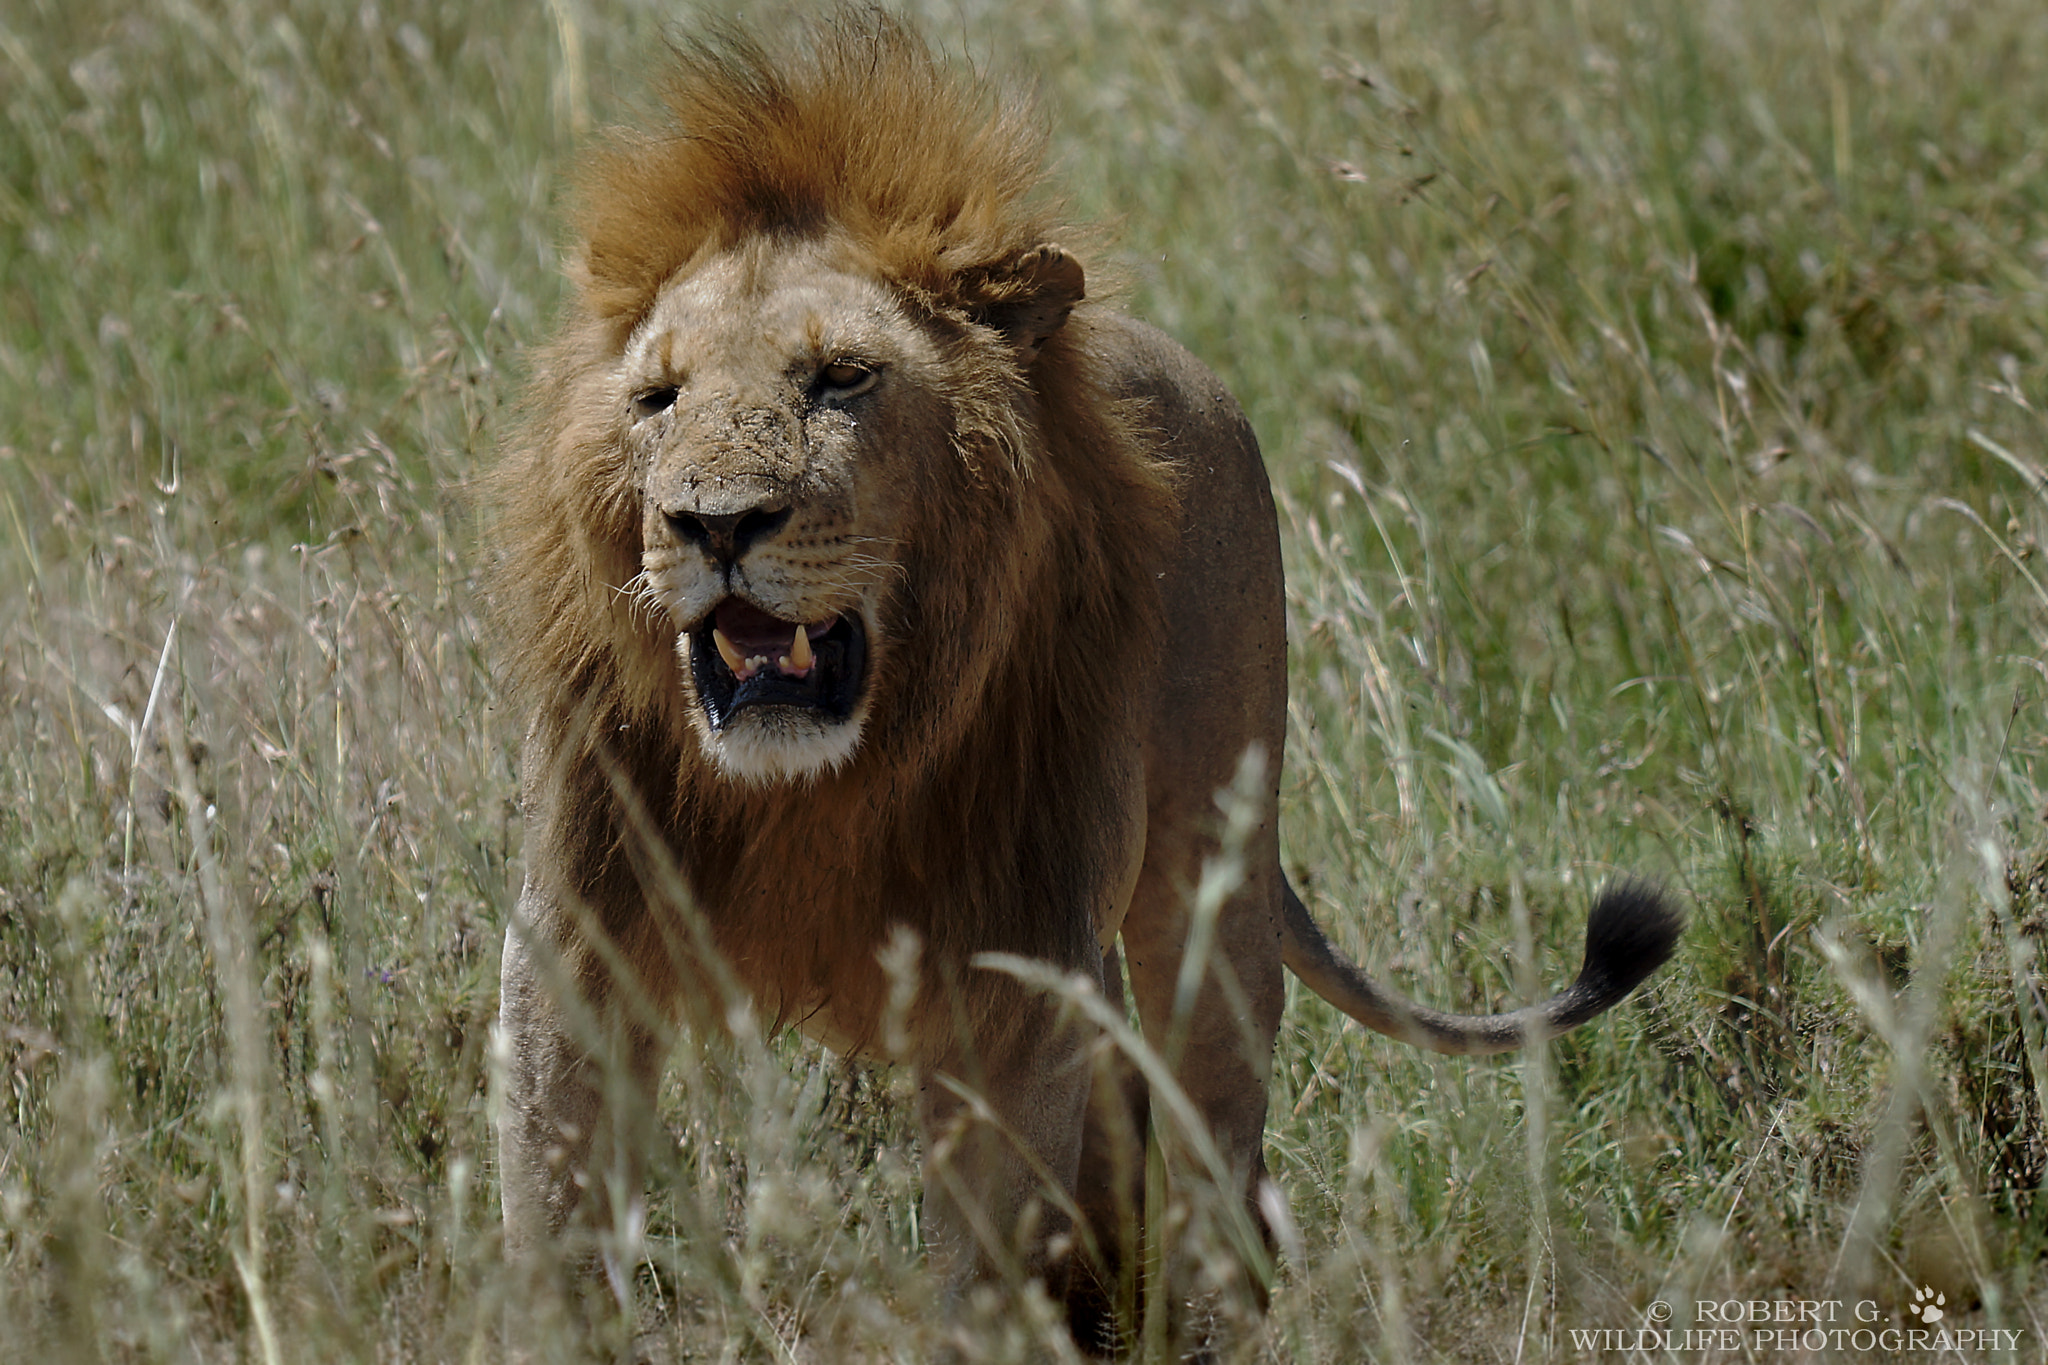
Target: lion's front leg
<point x="582" y="1073"/>
<point x="1002" y="1117"/>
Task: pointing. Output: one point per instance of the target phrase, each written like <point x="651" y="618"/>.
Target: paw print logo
<point x="1927" y="1305"/>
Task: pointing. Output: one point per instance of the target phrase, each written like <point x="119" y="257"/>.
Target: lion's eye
<point x="652" y="402"/>
<point x="845" y="378"/>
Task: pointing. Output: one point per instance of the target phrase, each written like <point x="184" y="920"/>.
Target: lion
<point x="863" y="581"/>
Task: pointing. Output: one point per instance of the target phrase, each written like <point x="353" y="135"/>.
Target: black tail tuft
<point x="1633" y="928"/>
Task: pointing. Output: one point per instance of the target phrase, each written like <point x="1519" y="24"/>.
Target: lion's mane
<point x="1031" y="601"/>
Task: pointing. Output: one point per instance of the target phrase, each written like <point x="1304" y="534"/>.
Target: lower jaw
<point x="762" y="743"/>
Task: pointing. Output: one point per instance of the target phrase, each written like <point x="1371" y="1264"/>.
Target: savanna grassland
<point x="1655" y="396"/>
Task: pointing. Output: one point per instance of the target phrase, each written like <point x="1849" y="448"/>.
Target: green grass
<point x="1655" y="393"/>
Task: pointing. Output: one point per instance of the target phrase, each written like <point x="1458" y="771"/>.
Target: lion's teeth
<point x="800" y="655"/>
<point x="727" y="652"/>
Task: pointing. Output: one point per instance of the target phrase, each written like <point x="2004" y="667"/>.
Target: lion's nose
<point x="727" y="536"/>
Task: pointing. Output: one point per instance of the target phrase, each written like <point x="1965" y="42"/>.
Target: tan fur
<point x="1057" y="532"/>
<point x="912" y="179"/>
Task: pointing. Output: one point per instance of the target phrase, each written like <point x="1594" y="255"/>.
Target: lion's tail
<point x="1632" y="930"/>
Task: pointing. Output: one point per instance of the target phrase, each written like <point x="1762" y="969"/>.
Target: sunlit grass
<point x="1655" y="396"/>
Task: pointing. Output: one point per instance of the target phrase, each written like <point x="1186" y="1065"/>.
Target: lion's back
<point x="1223" y="675"/>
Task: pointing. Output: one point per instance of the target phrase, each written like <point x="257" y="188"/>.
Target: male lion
<point x="860" y="577"/>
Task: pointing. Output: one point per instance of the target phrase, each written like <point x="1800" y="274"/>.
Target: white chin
<point x="767" y="744"/>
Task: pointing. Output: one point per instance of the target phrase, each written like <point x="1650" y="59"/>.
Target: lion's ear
<point x="1030" y="296"/>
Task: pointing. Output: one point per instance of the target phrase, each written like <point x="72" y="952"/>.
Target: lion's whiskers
<point x="646" y="594"/>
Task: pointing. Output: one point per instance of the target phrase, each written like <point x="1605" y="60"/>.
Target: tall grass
<point x="1655" y="394"/>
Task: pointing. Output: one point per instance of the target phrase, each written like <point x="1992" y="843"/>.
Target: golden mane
<point x="854" y="127"/>
<point x="1042" y="581"/>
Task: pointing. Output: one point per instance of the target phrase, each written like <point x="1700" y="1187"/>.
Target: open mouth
<point x="742" y="657"/>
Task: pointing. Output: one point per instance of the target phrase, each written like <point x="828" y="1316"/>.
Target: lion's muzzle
<point x="743" y="657"/>
<point x="724" y="538"/>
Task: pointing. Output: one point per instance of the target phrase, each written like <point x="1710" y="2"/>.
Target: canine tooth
<point x="727" y="652"/>
<point x="800" y="655"/>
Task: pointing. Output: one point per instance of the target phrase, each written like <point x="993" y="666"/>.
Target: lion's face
<point x="779" y="411"/>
